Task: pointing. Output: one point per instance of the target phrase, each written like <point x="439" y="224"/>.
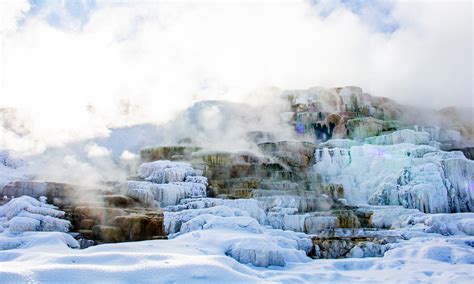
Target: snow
<point x="220" y="243"/>
<point x="208" y="256"/>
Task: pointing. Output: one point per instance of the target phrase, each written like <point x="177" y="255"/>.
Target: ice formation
<point x="269" y="247"/>
<point x="166" y="182"/>
<point x="395" y="217"/>
<point x="240" y="207"/>
<point x="415" y="176"/>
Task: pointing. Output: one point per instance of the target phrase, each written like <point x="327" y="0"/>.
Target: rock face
<point x="54" y="191"/>
<point x="339" y="113"/>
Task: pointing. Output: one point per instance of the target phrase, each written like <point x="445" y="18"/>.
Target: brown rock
<point x="108" y="234"/>
<point x="87" y="224"/>
<point x="140" y="227"/>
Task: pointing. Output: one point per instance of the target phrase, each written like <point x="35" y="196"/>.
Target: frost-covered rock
<point x="165" y="171"/>
<point x="28" y="214"/>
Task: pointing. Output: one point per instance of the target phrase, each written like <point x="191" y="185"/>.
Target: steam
<point x="139" y="62"/>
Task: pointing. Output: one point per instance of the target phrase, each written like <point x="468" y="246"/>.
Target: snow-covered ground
<point x="199" y="256"/>
<point x="225" y="244"/>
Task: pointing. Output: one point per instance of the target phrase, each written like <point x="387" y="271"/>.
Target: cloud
<point x="11" y="12"/>
<point x="128" y="62"/>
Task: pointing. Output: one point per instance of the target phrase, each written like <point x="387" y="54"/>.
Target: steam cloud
<point x="125" y="63"/>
